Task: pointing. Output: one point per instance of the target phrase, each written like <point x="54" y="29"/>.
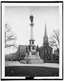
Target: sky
<point x="17" y="18"/>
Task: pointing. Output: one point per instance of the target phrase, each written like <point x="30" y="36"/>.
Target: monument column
<point x="31" y="41"/>
<point x="31" y="24"/>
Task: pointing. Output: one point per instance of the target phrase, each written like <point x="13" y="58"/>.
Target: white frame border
<point x="60" y="26"/>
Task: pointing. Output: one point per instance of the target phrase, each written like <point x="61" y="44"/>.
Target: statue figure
<point x="31" y="18"/>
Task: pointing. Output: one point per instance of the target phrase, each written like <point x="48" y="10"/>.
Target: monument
<point x="32" y="53"/>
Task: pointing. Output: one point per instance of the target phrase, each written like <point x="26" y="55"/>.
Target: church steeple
<point x="45" y="33"/>
<point x="45" y="39"/>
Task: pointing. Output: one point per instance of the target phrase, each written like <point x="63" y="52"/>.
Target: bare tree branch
<point x="54" y="40"/>
<point x="9" y="36"/>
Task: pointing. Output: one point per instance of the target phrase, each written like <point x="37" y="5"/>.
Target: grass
<point x="31" y="71"/>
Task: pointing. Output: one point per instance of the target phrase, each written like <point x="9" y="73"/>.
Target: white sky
<point x="17" y="18"/>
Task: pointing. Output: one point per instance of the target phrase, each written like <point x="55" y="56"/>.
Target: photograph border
<point x="33" y="2"/>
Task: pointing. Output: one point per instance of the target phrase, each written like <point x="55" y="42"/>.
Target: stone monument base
<point x="33" y="59"/>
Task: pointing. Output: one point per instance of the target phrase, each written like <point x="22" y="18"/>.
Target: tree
<point x="9" y="37"/>
<point x="54" y="40"/>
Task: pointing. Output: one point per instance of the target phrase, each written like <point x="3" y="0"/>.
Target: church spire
<point x="45" y="39"/>
<point x="45" y="33"/>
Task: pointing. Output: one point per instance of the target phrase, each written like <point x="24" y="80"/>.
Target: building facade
<point x="21" y="51"/>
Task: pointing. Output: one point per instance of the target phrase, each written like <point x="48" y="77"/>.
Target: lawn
<point x="31" y="71"/>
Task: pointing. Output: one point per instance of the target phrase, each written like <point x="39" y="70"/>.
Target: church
<point x="45" y="51"/>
